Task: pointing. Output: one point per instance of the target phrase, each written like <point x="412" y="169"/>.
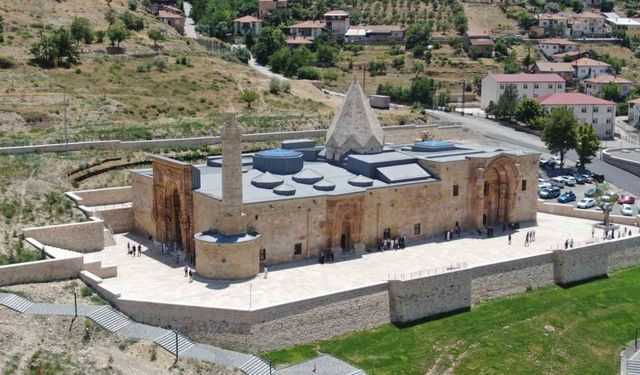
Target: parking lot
<point x="580" y="189"/>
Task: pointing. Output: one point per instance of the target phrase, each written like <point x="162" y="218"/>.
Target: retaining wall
<point x="627" y="164"/>
<point x="569" y="210"/>
<point x="101" y="197"/>
<point x="81" y="237"/>
<point x="40" y="271"/>
<point x="120" y="220"/>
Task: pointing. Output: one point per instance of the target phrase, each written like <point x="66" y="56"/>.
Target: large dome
<point x="278" y="161"/>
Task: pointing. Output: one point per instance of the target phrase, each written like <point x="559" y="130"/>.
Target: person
<point x="509" y="238"/>
<point x="186" y="270"/>
<point x="128" y="248"/>
<point x="566" y="244"/>
<point x="139" y="249"/>
<point x="534" y="235"/>
<point x="321" y="257"/>
<point x="266" y="272"/>
<point x="571" y="243"/>
<point x="526" y="240"/>
<point x="593" y="232"/>
<point x="190" y="275"/>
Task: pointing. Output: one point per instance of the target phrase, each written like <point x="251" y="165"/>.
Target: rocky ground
<point x="32" y="344"/>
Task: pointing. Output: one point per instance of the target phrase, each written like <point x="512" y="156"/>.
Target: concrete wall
<point x="40" y="271"/>
<point x="81" y="237"/>
<point x="621" y="162"/>
<point x="101" y="197"/>
<point x="569" y="210"/>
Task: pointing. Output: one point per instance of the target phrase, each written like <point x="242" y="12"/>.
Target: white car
<point x="554" y="160"/>
<point x="544" y="185"/>
<point x="559" y="181"/>
<point x="586" y="203"/>
<point x="569" y="180"/>
<point x="627" y="210"/>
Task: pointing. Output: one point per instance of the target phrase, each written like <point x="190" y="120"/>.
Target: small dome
<point x="324" y="185"/>
<point x="278" y="161"/>
<point x="278" y="153"/>
<point x="285" y="190"/>
<point x="361" y="181"/>
<point x="432" y="146"/>
<point x="266" y="181"/>
<point x="307" y="176"/>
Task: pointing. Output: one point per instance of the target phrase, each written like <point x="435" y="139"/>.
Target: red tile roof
<point x="608" y="79"/>
<point x="572" y="98"/>
<point x="634" y="101"/>
<point x="588" y="15"/>
<point x="308" y="25"/>
<point x="481" y="42"/>
<point x="585" y="61"/>
<point x="527" y="78"/>
<point x="247" y="19"/>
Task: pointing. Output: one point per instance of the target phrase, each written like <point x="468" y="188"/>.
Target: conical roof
<point x="307" y="176"/>
<point x="324" y="185"/>
<point x="355" y="127"/>
<point x="266" y="181"/>
<point x="284" y="190"/>
<point x="361" y="181"/>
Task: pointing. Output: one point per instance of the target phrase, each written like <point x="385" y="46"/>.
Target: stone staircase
<point x="17" y="303"/>
<point x="168" y="342"/>
<point x="633" y="368"/>
<point x="256" y="366"/>
<point x="110" y="319"/>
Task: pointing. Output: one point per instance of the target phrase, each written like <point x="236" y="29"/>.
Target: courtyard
<point x="157" y="277"/>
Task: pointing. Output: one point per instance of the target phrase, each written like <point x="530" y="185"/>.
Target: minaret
<point x="233" y="219"/>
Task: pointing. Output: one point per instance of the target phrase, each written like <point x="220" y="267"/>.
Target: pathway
<point x="189" y="24"/>
<point x="116" y="322"/>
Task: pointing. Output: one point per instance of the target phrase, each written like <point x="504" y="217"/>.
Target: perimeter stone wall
<point x="101" y="197"/>
<point x="81" y="237"/>
<point x="40" y="271"/>
<point x="120" y="220"/>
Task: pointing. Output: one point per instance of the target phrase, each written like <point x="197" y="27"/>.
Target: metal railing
<point x="428" y="272"/>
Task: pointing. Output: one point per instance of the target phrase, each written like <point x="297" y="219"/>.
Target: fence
<point x="427" y="272"/>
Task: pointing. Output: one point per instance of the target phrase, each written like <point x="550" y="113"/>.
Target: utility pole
<point x="66" y="134"/>
<point x="462" y="112"/>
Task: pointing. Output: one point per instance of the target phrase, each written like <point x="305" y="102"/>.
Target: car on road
<point x="567" y="197"/>
<point x="597" y="177"/>
<point x="586" y="203"/>
<point x="592" y="192"/>
<point x="549" y="193"/>
<point x="626" y="199"/>
<point x="559" y="181"/>
<point x="626" y="209"/>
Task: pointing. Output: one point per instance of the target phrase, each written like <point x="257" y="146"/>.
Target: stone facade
<point x="40" y="271"/>
<point x="99" y="197"/>
<point x="81" y="237"/>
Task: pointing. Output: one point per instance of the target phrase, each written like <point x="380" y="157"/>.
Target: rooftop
<point x="247" y="19"/>
<point x="481" y="42"/>
<point x="336" y="13"/>
<point x="544" y="66"/>
<point x="563" y="42"/>
<point x="588" y="15"/>
<point x="527" y="78"/>
<point x="377" y="28"/>
<point x="608" y="79"/>
<point x="299" y="40"/>
<point x="585" y="61"/>
<point x="572" y="98"/>
<point x="308" y="25"/>
<point x="167" y="14"/>
<point x="553" y="16"/>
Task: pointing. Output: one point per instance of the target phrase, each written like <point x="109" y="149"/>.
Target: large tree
<point x="53" y="48"/>
<point x="81" y="30"/>
<point x="560" y="131"/>
<point x="269" y="41"/>
<point x="587" y="143"/>
<point x="117" y="33"/>
<point x="418" y="33"/>
<point x="506" y="106"/>
<point x="527" y="110"/>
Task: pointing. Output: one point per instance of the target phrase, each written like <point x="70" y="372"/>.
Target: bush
<point x="7" y="62"/>
<point x="330" y="75"/>
<point x="242" y="54"/>
<point x="99" y="34"/>
<point x="131" y="21"/>
<point x="308" y="72"/>
<point x="85" y="291"/>
<point x="160" y="62"/>
<point x="143" y="68"/>
<point x="133" y="5"/>
<point x="277" y="85"/>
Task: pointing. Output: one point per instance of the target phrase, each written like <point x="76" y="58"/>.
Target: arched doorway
<point x="496" y="198"/>
<point x="174" y="225"/>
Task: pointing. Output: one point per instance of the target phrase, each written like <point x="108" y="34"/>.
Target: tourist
<point x="534" y="235"/>
<point x="571" y="243"/>
<point x="139" y="249"/>
<point x="190" y="275"/>
<point x="526" y="240"/>
<point x="509" y="238"/>
<point x="593" y="232"/>
<point x="566" y="244"/>
<point x="321" y="259"/>
<point x="128" y="248"/>
<point x="266" y="272"/>
<point x="186" y="270"/>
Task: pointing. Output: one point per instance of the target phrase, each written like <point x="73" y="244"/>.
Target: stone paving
<point x="157" y="277"/>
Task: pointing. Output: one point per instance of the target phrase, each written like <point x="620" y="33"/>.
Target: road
<point x="494" y="131"/>
<point x="189" y="25"/>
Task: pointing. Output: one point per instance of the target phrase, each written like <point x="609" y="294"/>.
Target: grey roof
<point x="402" y="173"/>
<point x="360" y="180"/>
<point x="307" y="176"/>
<point x="266" y="181"/>
<point x="324" y="185"/>
<point x="355" y="126"/>
<point x="285" y="189"/>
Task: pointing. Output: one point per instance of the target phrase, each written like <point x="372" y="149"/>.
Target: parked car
<point x="592" y="192"/>
<point x="588" y="178"/>
<point x="555" y="160"/>
<point x="569" y="180"/>
<point x="626" y="199"/>
<point x="597" y="177"/>
<point x="567" y="197"/>
<point x="543" y="162"/>
<point x="559" y="181"/>
<point x="549" y="193"/>
<point x="626" y="209"/>
<point x="586" y="203"/>
<point x="544" y="185"/>
<point x="580" y="180"/>
<point x="608" y="197"/>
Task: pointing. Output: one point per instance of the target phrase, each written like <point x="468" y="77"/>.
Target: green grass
<point x="592" y="324"/>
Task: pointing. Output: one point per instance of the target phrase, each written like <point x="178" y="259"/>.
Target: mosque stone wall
<point x="142" y="191"/>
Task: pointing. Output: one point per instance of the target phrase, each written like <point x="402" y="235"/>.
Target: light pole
<point x="75" y="301"/>
<point x="176" y="332"/>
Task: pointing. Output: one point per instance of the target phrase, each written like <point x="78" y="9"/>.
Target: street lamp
<point x="75" y="300"/>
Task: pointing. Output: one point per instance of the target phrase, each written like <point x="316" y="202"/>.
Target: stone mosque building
<point x="240" y="212"/>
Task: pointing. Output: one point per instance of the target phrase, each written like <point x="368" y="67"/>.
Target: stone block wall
<point x="101" y="197"/>
<point x="415" y="299"/>
<point x="81" y="237"/>
<point x="580" y="264"/>
<point x="569" y="210"/>
<point x="624" y="252"/>
<point x="40" y="271"/>
<point x="120" y="220"/>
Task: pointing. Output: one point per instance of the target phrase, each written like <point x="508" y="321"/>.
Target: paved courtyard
<point x="157" y="277"/>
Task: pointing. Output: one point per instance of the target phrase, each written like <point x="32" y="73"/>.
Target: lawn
<point x="552" y="330"/>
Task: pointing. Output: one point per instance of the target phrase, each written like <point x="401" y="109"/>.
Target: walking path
<point x="116" y="322"/>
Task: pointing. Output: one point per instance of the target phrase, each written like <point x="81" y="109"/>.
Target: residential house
<point x="588" y="109"/>
<point x="595" y="86"/>
<point x="552" y="24"/>
<point x="267" y="7"/>
<point x="527" y="85"/>
<point x="589" y="24"/>
<point x="634" y="112"/>
<point x="307" y="29"/>
<point x="173" y="19"/>
<point x="477" y="44"/>
<point x="564" y="70"/>
<point x="590" y="68"/>
<point x="156" y="6"/>
<point x="374" y="34"/>
<point x="551" y="47"/>
<point x="338" y="21"/>
<point x="298" y="41"/>
<point x="629" y="26"/>
<point x="568" y="56"/>
<point x="247" y="24"/>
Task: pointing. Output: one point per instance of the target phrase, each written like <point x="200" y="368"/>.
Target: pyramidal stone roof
<point x="355" y="127"/>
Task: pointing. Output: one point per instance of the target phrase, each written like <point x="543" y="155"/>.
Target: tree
<point x="248" y="96"/>
<point x="587" y="143"/>
<point x="577" y="6"/>
<point x="326" y="56"/>
<point x="133" y="5"/>
<point x="501" y="48"/>
<point x="417" y="68"/>
<point x="53" y="48"/>
<point x="110" y="15"/>
<point x="528" y="61"/>
<point x="117" y="33"/>
<point x="131" y="21"/>
<point x="81" y="30"/>
<point x="567" y="58"/>
<point x="308" y="72"/>
<point x="249" y="40"/>
<point x="418" y="33"/>
<point x="527" y="110"/>
<point x="606" y="6"/>
<point x="505" y="109"/>
<point x="269" y="41"/>
<point x="157" y="35"/>
<point x="1" y="24"/>
<point x="559" y="132"/>
<point x="612" y="92"/>
<point x="525" y="19"/>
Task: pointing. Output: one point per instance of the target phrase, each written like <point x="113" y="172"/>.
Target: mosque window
<point x="455" y="190"/>
<point x="263" y="254"/>
<point x="297" y="249"/>
<point x="524" y="185"/>
<point x="416" y="228"/>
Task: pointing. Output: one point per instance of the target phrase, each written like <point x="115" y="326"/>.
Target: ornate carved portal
<point x="344" y="219"/>
<point x="495" y="196"/>
<point x="173" y="204"/>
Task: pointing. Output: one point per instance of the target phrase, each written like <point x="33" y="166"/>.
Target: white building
<point x="595" y="111"/>
<point x="590" y="68"/>
<point x="634" y="112"/>
<point x="247" y="24"/>
<point x="589" y="24"/>
<point x="629" y="26"/>
<point x="550" y="47"/>
<point x="595" y="86"/>
<point x="528" y="85"/>
<point x="307" y="29"/>
<point x="338" y="21"/>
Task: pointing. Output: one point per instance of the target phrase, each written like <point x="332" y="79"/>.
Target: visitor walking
<point x="190" y="275"/>
<point x="266" y="272"/>
<point x="509" y="238"/>
<point x="128" y="248"/>
<point x="571" y="243"/>
<point x="139" y="250"/>
<point x="186" y="270"/>
<point x="593" y="232"/>
<point x="534" y="235"/>
<point x="566" y="244"/>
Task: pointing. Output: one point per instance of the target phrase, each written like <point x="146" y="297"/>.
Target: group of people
<point x="392" y="243"/>
<point x="133" y="249"/>
<point x="327" y="255"/>
<point x="568" y="243"/>
<point x="611" y="234"/>
<point x="188" y="271"/>
<point x="455" y="231"/>
<point x="531" y="237"/>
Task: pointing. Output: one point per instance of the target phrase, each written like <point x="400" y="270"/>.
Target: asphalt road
<point x="494" y="131"/>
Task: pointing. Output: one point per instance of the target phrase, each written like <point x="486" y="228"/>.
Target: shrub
<point x="131" y="21"/>
<point x="308" y="72"/>
<point x="7" y="62"/>
<point x="160" y="62"/>
<point x="242" y="54"/>
<point x="85" y="291"/>
<point x="278" y="85"/>
<point x="143" y="68"/>
<point x="99" y="34"/>
<point x="330" y="75"/>
<point x="133" y="5"/>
